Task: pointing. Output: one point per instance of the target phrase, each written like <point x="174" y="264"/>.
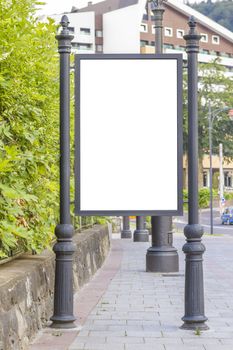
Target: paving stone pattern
<point x="142" y="311"/>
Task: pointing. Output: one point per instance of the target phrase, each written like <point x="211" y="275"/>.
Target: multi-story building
<point x="127" y="26"/>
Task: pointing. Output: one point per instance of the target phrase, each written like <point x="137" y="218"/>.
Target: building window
<point x="168" y="31"/>
<point x="99" y="33"/>
<point x="227" y="179"/>
<point x="224" y="54"/>
<point x="99" y="48"/>
<point x="204" y="38"/>
<point x="143" y="28"/>
<point x="71" y="29"/>
<point x="153" y="29"/>
<point x="143" y="43"/>
<point x="213" y="53"/>
<point x="205" y="179"/>
<point x="168" y="46"/>
<point x="181" y="48"/>
<point x="180" y="33"/>
<point x="85" y="31"/>
<point x="215" y="39"/>
<point x="83" y="46"/>
<point x="206" y="52"/>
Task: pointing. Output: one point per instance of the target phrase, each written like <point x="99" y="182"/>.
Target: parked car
<point x="227" y="216"/>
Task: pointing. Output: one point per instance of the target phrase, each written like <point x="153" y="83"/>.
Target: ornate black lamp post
<point x="194" y="285"/>
<point x="64" y="248"/>
<point x="161" y="256"/>
<point x="126" y="232"/>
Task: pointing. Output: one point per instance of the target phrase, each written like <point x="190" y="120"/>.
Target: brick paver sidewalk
<point x="142" y="311"/>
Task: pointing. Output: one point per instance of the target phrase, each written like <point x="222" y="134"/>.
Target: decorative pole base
<point x="192" y="323"/>
<point x="64" y="249"/>
<point x="126" y="234"/>
<point x="162" y="259"/>
<point x="194" y="316"/>
<point x="65" y="322"/>
<point x="141" y="236"/>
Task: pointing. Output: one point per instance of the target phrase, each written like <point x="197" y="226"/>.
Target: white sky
<point x="59" y="6"/>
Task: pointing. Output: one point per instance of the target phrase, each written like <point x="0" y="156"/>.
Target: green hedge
<point x="29" y="129"/>
<point x="203" y="197"/>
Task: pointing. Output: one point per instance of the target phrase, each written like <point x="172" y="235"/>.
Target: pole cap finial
<point x="64" y="36"/>
<point x="157" y="4"/>
<point x="64" y="21"/>
<point x="64" y="25"/>
<point x="192" y="24"/>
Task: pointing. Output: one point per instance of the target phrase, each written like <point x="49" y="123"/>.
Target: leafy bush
<point x="28" y="127"/>
<point x="203" y="197"/>
<point x="228" y="195"/>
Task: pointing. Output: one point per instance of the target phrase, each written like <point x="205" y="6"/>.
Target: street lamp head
<point x="157" y="4"/>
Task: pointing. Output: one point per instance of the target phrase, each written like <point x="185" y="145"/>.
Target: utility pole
<point x="221" y="179"/>
<point x="211" y="170"/>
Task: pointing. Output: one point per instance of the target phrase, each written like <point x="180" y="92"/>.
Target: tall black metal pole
<point x="194" y="285"/>
<point x="211" y="171"/>
<point x="64" y="248"/>
<point x="140" y="234"/>
<point x="161" y="256"/>
<point x="126" y="232"/>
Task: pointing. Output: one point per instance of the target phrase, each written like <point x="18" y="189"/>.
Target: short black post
<point x="64" y="248"/>
<point x="140" y="234"/>
<point x="194" y="285"/>
<point x="126" y="232"/>
<point x="162" y="256"/>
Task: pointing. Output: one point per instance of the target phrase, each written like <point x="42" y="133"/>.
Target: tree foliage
<point x="219" y="11"/>
<point x="214" y="87"/>
<point x="28" y="127"/>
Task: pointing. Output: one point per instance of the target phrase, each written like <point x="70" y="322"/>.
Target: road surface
<point x="180" y="222"/>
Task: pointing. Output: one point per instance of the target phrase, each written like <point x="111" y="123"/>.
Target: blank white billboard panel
<point x="128" y="151"/>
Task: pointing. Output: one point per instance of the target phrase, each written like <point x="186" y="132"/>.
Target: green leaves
<point x="219" y="11"/>
<point x="29" y="116"/>
<point x="217" y="87"/>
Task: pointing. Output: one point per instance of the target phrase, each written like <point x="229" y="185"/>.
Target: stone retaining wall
<point x="26" y="286"/>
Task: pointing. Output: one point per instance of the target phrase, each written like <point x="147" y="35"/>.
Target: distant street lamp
<point x="211" y="116"/>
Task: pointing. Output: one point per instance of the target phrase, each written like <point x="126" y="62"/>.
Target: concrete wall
<point x="26" y="286"/>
